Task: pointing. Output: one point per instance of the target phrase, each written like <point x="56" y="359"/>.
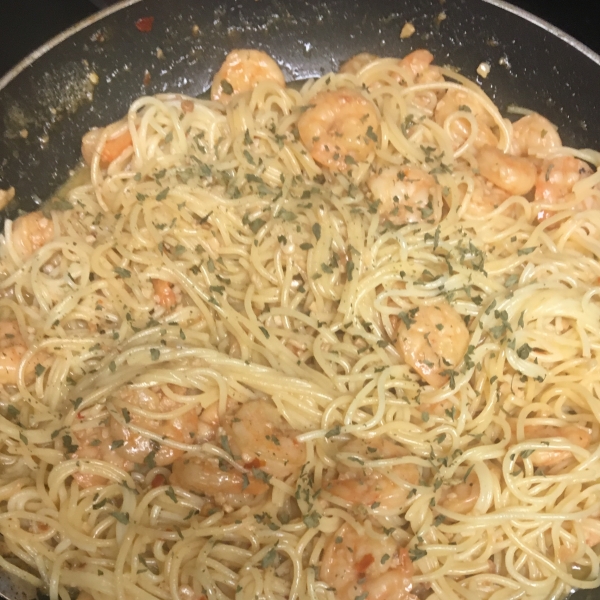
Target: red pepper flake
<point x="145" y="24"/>
<point x="255" y="463"/>
<point x="158" y="481"/>
<point x="147" y="78"/>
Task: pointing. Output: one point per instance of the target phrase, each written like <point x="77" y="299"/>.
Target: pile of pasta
<point x="335" y="342"/>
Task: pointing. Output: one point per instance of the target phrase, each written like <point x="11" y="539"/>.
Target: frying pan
<point x="89" y="75"/>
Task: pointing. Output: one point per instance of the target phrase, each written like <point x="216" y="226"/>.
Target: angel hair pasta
<point x="330" y="343"/>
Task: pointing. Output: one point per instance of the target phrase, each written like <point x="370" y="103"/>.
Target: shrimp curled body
<point x="461" y="110"/>
<point x="30" y="232"/>
<point x="117" y="142"/>
<point x="374" y="486"/>
<point x="136" y="446"/>
<point x="433" y="341"/>
<point x="12" y="350"/>
<point x="262" y="444"/>
<point x="358" y="566"/>
<point x="407" y="195"/>
<point x="555" y="181"/>
<point x="534" y="135"/>
<point x="339" y="128"/>
<point x="260" y="435"/>
<point x="513" y="174"/>
<point x="242" y="71"/>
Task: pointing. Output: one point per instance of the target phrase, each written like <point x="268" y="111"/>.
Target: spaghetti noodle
<point x="335" y="342"/>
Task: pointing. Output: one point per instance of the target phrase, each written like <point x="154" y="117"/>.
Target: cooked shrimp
<point x="339" y="128"/>
<point x="419" y="63"/>
<point x="455" y="102"/>
<point x="97" y="443"/>
<point x="360" y="566"/>
<point x="208" y="422"/>
<point x="263" y="438"/>
<point x="6" y="196"/>
<point x="406" y="195"/>
<point x="30" y="232"/>
<point x="222" y="482"/>
<point x="12" y="350"/>
<point x="556" y="179"/>
<point x="358" y="62"/>
<point x="462" y="497"/>
<point x="242" y="71"/>
<point x="512" y="174"/>
<point x="578" y="436"/>
<point x="534" y="135"/>
<point x="370" y="486"/>
<point x="137" y="447"/>
<point x="485" y="197"/>
<point x="591" y="527"/>
<point x="215" y="478"/>
<point x="432" y="340"/>
<point x="113" y="147"/>
<point x="164" y="293"/>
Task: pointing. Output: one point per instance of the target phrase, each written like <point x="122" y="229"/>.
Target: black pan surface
<point x="89" y="76"/>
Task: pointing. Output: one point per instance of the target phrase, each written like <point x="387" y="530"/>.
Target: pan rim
<point x="57" y="39"/>
<point x="553" y="29"/>
<point x="507" y="6"/>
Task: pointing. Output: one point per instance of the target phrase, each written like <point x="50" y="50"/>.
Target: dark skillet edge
<point x="101" y="14"/>
<point x="556" y="31"/>
<point x="61" y="37"/>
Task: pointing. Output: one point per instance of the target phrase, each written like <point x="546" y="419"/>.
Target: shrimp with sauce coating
<point x="416" y="63"/>
<point x="534" y="135"/>
<point x="242" y="71"/>
<point x="12" y="349"/>
<point x="574" y="434"/>
<point x="363" y="566"/>
<point x="164" y="294"/>
<point x="96" y="443"/>
<point x="591" y="527"/>
<point x="215" y="478"/>
<point x="454" y="112"/>
<point x="462" y="497"/>
<point x="357" y="63"/>
<point x="432" y="340"/>
<point x="339" y="128"/>
<point x="370" y="486"/>
<point x="30" y="232"/>
<point x="218" y="480"/>
<point x="513" y="174"/>
<point x="118" y="443"/>
<point x="263" y="438"/>
<point x="260" y="441"/>
<point x="555" y="181"/>
<point x="414" y="67"/>
<point x="136" y="447"/>
<point x="485" y="197"/>
<point x="117" y="142"/>
<point x="406" y="195"/>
